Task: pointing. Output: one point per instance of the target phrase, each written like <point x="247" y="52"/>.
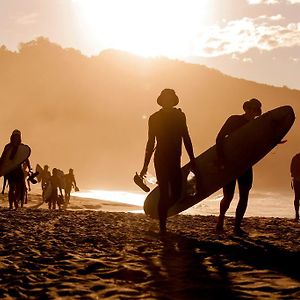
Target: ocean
<point x="260" y="204"/>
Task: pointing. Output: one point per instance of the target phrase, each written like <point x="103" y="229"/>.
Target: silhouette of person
<point x="252" y="109"/>
<point x="295" y="173"/>
<point x="15" y="178"/>
<point x="167" y="127"/>
<point x="4" y="184"/>
<point x="69" y="183"/>
<point x="45" y="179"/>
<point x="55" y="186"/>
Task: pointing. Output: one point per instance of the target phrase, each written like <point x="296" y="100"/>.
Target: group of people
<point x="166" y="132"/>
<point x="53" y="186"/>
<point x="167" y="129"/>
<point x="19" y="179"/>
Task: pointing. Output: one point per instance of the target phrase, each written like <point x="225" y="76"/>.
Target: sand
<point x="94" y="254"/>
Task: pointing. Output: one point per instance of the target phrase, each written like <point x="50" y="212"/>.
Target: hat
<point x="252" y="104"/>
<point x="167" y="94"/>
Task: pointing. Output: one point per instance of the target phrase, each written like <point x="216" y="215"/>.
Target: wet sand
<point x="92" y="254"/>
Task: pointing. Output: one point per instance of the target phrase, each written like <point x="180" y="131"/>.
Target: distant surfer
<point x="15" y="178"/>
<point x="252" y="109"/>
<point x="295" y="173"/>
<point x="56" y="185"/>
<point x="167" y="127"/>
<point x="70" y="183"/>
<point x="45" y="180"/>
<point x="4" y="184"/>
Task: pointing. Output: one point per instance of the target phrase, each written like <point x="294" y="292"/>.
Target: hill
<point x="90" y="113"/>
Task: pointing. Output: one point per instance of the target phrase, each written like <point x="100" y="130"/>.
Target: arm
<point x="223" y="133"/>
<point x="149" y="148"/>
<point x="187" y="141"/>
<point x="74" y="182"/>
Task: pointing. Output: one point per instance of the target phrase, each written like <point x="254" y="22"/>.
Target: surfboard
<point x="39" y="169"/>
<point x="7" y="165"/>
<point x="47" y="192"/>
<point x="243" y="149"/>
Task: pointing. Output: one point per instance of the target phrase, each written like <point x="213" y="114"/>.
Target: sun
<point x="143" y="27"/>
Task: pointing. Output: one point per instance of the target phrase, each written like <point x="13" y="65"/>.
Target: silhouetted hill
<point x="91" y="113"/>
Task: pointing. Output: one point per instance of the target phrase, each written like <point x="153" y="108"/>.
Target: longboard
<point x="7" y="165"/>
<point x="242" y="149"/>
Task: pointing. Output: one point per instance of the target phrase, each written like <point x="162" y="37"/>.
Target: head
<point x="15" y="137"/>
<point x="70" y="171"/>
<point x="46" y="167"/>
<point x="54" y="172"/>
<point x="252" y="108"/>
<point x="167" y="98"/>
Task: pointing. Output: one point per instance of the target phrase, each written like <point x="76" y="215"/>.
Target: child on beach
<point x="295" y="173"/>
<point x="168" y="129"/>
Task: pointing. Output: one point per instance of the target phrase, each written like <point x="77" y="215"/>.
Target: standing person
<point x="167" y="127"/>
<point x="45" y="180"/>
<point x="295" y="173"/>
<point x="252" y="109"/>
<point x="70" y="182"/>
<point x="55" y="186"/>
<point x="16" y="179"/>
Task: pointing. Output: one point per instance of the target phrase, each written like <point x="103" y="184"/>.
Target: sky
<point x="257" y="40"/>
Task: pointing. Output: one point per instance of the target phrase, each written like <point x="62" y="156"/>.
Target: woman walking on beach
<point x="168" y="129"/>
<point x="252" y="109"/>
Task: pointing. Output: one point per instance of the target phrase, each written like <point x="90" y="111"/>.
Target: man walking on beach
<point x="252" y="109"/>
<point x="295" y="173"/>
<point x="168" y="128"/>
<point x="70" y="183"/>
<point x="15" y="178"/>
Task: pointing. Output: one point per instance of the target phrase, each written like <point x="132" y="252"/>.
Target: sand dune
<point x="88" y="254"/>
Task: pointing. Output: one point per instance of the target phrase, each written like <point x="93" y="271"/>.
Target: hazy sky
<point x="255" y="39"/>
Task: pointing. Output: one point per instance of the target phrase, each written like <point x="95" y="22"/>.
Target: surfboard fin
<point x="140" y="182"/>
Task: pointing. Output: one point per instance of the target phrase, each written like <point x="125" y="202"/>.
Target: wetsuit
<point x="295" y="173"/>
<point x="168" y="127"/>
<point x="245" y="180"/>
<point x="69" y="180"/>
<point x="15" y="178"/>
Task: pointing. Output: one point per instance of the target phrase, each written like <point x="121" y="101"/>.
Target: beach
<point x="90" y="252"/>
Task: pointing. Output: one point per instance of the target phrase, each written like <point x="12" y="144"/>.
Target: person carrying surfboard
<point x="56" y="185"/>
<point x="167" y="129"/>
<point x="295" y="173"/>
<point x="252" y="109"/>
<point x="15" y="178"/>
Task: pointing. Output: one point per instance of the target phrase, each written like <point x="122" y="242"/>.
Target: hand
<point x="144" y="171"/>
<point x="282" y="142"/>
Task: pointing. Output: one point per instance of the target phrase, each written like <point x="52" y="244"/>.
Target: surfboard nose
<point x="283" y="119"/>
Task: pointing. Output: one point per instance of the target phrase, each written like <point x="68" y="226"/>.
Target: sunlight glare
<point x="143" y="27"/>
<point x="114" y="196"/>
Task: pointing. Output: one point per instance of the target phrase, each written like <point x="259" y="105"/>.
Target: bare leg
<point x="228" y="192"/>
<point x="296" y="205"/>
<point x="241" y="208"/>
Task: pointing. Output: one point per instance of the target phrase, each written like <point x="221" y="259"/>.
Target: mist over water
<point x="261" y="203"/>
